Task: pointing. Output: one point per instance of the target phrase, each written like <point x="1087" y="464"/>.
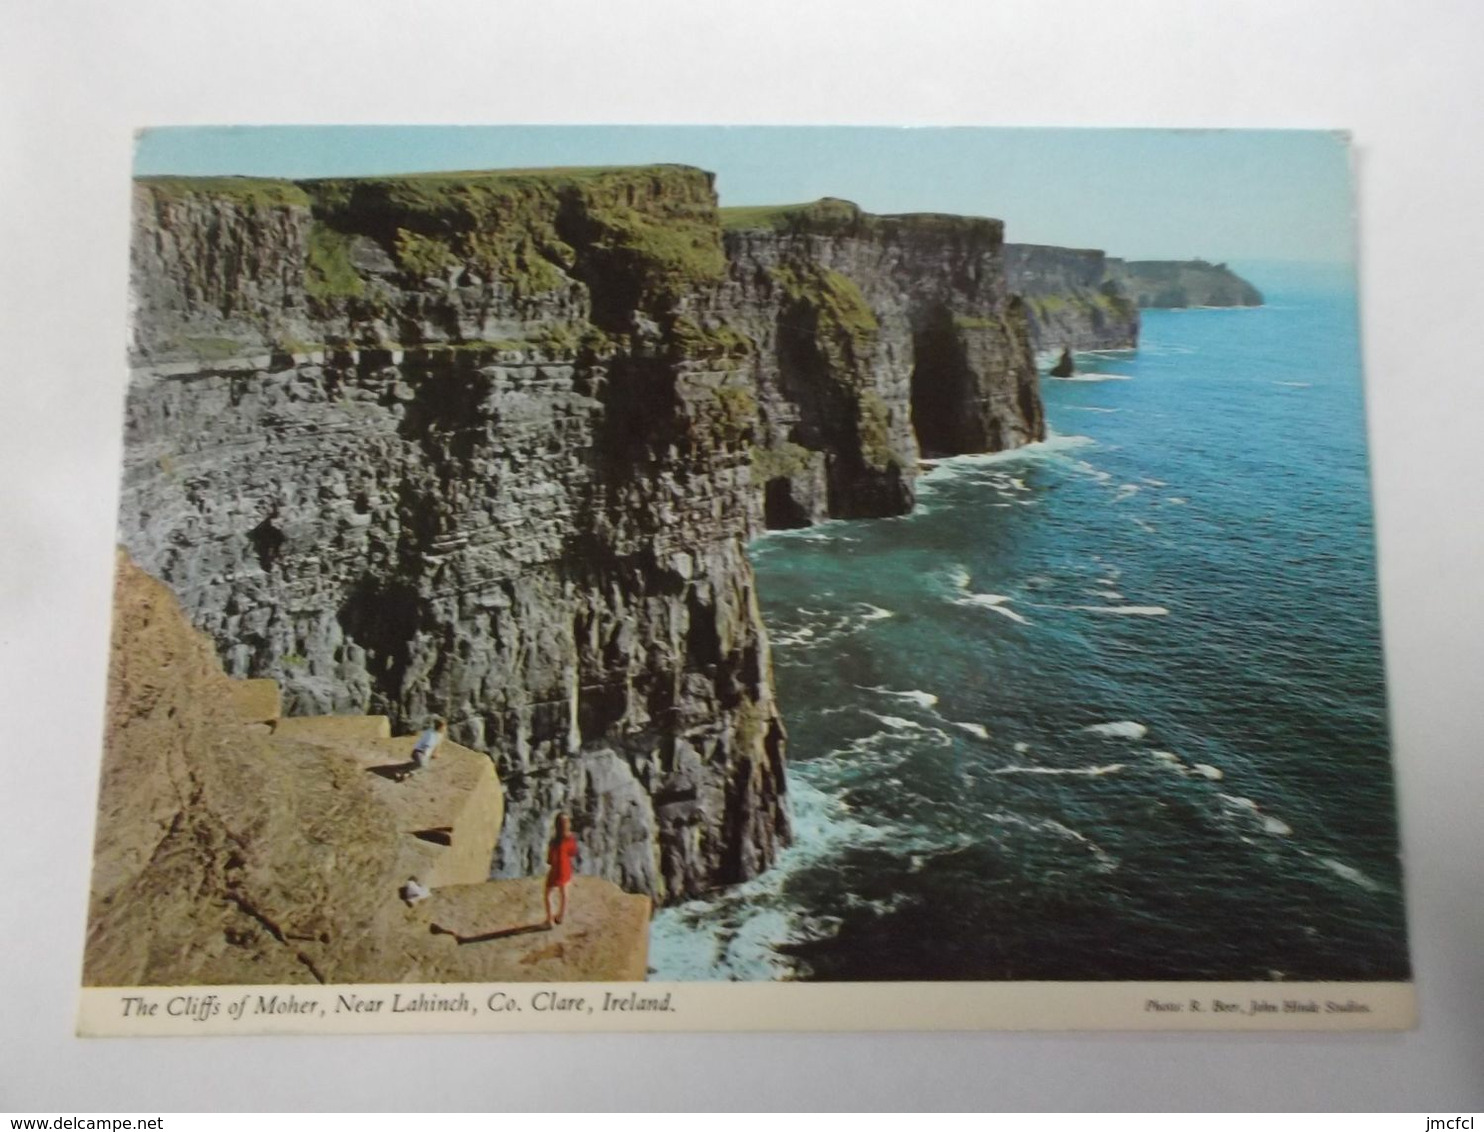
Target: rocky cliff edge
<point x="233" y="846"/>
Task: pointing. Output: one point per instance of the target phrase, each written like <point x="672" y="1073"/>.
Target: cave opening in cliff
<point x="941" y="384"/>
<point x="383" y="617"/>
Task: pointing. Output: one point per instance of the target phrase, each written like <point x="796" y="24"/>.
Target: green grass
<point x="257" y="191"/>
<point x="831" y="215"/>
<point x="875" y="432"/>
<point x="843" y="314"/>
<point x="328" y="271"/>
<point x="787" y="459"/>
<point x="693" y="340"/>
<point x="423" y="257"/>
<point x="814" y="215"/>
<point x="736" y="413"/>
<point x="974" y="322"/>
<point x="656" y="222"/>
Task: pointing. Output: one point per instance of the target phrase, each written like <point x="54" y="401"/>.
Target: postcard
<point x="744" y="578"/>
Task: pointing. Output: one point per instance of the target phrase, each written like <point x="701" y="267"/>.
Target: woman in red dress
<point x="561" y="851"/>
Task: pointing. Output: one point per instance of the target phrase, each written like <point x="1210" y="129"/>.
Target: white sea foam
<point x="977" y="729"/>
<point x="1178" y="501"/>
<point x="735" y="935"/>
<point x="1350" y="873"/>
<point x="995" y="602"/>
<point x="1083" y="771"/>
<point x="1154" y="482"/>
<point x="986" y="599"/>
<point x="953" y="467"/>
<point x="897" y="723"/>
<point x="1093" y="377"/>
<point x="826" y="531"/>
<point x="1090" y="409"/>
<point x="1125" y="610"/>
<point x="1022" y="748"/>
<point x="1110" y="595"/>
<point x="1239" y="803"/>
<point x="914" y="695"/>
<point x="1096" y="473"/>
<point x="1119" y="729"/>
<point x="1126" y="491"/>
<point x="1206" y="770"/>
<point x="799" y="636"/>
<point x="1276" y="826"/>
<point x="823" y="626"/>
<point x="1050" y="825"/>
<point x="1295" y="384"/>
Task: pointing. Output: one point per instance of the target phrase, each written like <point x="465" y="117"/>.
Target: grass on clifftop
<point x="833" y="216"/>
<point x="255" y="191"/>
<point x="816" y="215"/>
<point x="531" y="228"/>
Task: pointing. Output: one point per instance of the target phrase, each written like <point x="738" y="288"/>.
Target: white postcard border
<point x="408" y="1008"/>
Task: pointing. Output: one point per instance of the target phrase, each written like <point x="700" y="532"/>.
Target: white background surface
<point x="77" y="77"/>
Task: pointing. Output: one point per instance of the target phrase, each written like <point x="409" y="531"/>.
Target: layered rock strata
<point x="490" y="446"/>
<point x="235" y="847"/>
<point x="453" y="446"/>
<point x="876" y="340"/>
<point x="1073" y="300"/>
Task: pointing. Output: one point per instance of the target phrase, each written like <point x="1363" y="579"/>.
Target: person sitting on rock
<point x="427" y="744"/>
<point x="422" y="751"/>
<point x="413" y="891"/>
<point x="561" y="851"/>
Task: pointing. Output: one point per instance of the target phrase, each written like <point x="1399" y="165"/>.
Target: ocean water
<point x="1111" y="707"/>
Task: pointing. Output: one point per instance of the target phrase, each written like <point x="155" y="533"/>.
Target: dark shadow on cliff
<point x="485" y="937"/>
<point x="944" y="388"/>
<point x="382" y="616"/>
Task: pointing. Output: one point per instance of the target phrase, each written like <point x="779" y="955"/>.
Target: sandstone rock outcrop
<point x="490" y="446"/>
<point x="233" y="847"/>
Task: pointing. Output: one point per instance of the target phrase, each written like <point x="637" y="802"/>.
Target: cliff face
<point x="1073" y="299"/>
<point x="490" y="446"/>
<point x="1183" y="283"/>
<point x="231" y="852"/>
<point x="509" y="491"/>
<point x="876" y="339"/>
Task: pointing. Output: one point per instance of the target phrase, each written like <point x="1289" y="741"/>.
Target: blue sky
<point x="1143" y="194"/>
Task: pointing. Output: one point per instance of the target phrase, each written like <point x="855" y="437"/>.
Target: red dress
<point x="559" y="856"/>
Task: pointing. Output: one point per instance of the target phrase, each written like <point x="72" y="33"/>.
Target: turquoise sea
<point x="1111" y="707"/>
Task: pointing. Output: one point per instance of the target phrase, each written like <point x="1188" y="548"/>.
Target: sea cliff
<point x="1072" y="299"/>
<point x="490" y="446"/>
<point x="1083" y="299"/>
<point x="877" y="339"/>
<point x="1183" y="283"/>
